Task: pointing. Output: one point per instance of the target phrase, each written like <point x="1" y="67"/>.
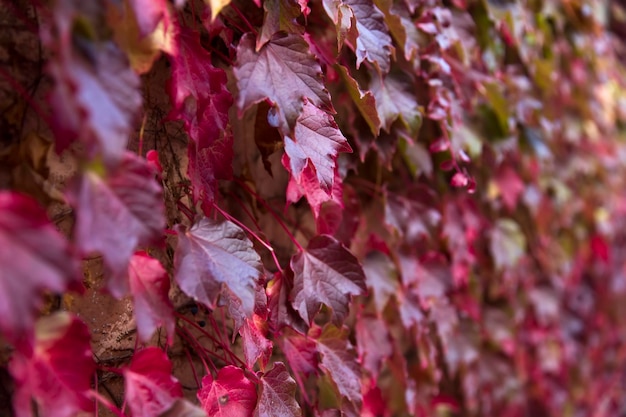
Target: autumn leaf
<point x="216" y="6"/>
<point x="325" y="273"/>
<point x="381" y="277"/>
<point x="318" y="140"/>
<point x="364" y="100"/>
<point x="57" y="373"/>
<point x="255" y="345"/>
<point x="216" y="259"/>
<point x="277" y="395"/>
<point x="396" y="98"/>
<point x="339" y="361"/>
<point x="284" y="72"/>
<point x="201" y="100"/>
<point x="280" y="15"/>
<point x="230" y="394"/>
<point x="117" y="210"/>
<point x="373" y="344"/>
<point x="150" y="389"/>
<point x="34" y="258"/>
<point x="149" y="286"/>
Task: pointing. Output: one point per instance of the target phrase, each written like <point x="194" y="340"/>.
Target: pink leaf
<point x="34" y="257"/>
<point x="231" y="394"/>
<point x="116" y="212"/>
<point x="217" y="258"/>
<point x="255" y="345"/>
<point x="201" y="100"/>
<point x="373" y="344"/>
<point x="282" y="312"/>
<point x="150" y="389"/>
<point x="149" y="13"/>
<point x="301" y="353"/>
<point x="284" y="72"/>
<point x="96" y="94"/>
<point x="57" y="373"/>
<point x="339" y="361"/>
<point x="277" y="396"/>
<point x="382" y="278"/>
<point x="149" y="285"/>
<point x="318" y="140"/>
<point x="325" y="273"/>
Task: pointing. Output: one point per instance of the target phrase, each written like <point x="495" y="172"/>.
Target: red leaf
<point x="115" y="213"/>
<point x="284" y="72"/>
<point x="280" y="15"/>
<point x="201" y="100"/>
<point x="339" y="361"/>
<point x="510" y="184"/>
<point x="277" y="396"/>
<point x="255" y="344"/>
<point x="301" y="353"/>
<point x="149" y="13"/>
<point x="373" y="42"/>
<point x="318" y="140"/>
<point x="382" y="278"/>
<point x="150" y="389"/>
<point x="58" y="372"/>
<point x="34" y="257"/>
<point x="429" y="276"/>
<point x="396" y="98"/>
<point x="309" y="187"/>
<point x="325" y="273"/>
<point x="282" y="312"/>
<point x="96" y="94"/>
<point x="217" y="258"/>
<point x="230" y="395"/>
<point x="373" y="343"/>
<point x="149" y="285"/>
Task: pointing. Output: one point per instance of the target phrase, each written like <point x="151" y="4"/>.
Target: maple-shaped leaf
<point x="364" y="101"/>
<point x="149" y="387"/>
<point x="201" y="100"/>
<point x="318" y="140"/>
<point x="231" y="394"/>
<point x="381" y="276"/>
<point x="301" y="353"/>
<point x="373" y="344"/>
<point x="35" y="257"/>
<point x="283" y="71"/>
<point x="117" y="210"/>
<point x="325" y="273"/>
<point x="280" y="15"/>
<point x="429" y="277"/>
<point x="373" y="42"/>
<point x="282" y="312"/>
<point x="149" y="286"/>
<point x="57" y="373"/>
<point x="338" y="360"/>
<point x="345" y="22"/>
<point x="96" y="95"/>
<point x="308" y="186"/>
<point x="217" y="258"/>
<point x="396" y="97"/>
<point x="277" y="395"/>
<point x="255" y="345"/>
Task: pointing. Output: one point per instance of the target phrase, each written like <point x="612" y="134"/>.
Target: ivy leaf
<point x="382" y="278"/>
<point x="201" y="100"/>
<point x="34" y="257"/>
<point x="301" y="353"/>
<point x="231" y="394"/>
<point x="115" y="212"/>
<point x="373" y="42"/>
<point x="402" y="27"/>
<point x="149" y="14"/>
<point x="317" y="140"/>
<point x="280" y="15"/>
<point x="214" y="258"/>
<point x="325" y="273"/>
<point x="309" y="187"/>
<point x="364" y="101"/>
<point x="508" y="244"/>
<point x="216" y="6"/>
<point x="283" y="71"/>
<point x="339" y="361"/>
<point x="277" y="395"/>
<point x="255" y="345"/>
<point x="150" y="389"/>
<point x="395" y="98"/>
<point x="58" y="372"/>
<point x="429" y="277"/>
<point x="282" y="312"/>
<point x="373" y="344"/>
<point x="96" y="95"/>
<point x="149" y="285"/>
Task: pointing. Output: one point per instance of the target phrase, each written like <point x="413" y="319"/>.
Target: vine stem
<point x="26" y="96"/>
<point x="102" y="400"/>
<point x="278" y="219"/>
<point x="247" y="229"/>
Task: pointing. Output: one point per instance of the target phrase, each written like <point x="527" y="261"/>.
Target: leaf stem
<point x="26" y="96"/>
<point x="112" y="408"/>
<point x="271" y="211"/>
